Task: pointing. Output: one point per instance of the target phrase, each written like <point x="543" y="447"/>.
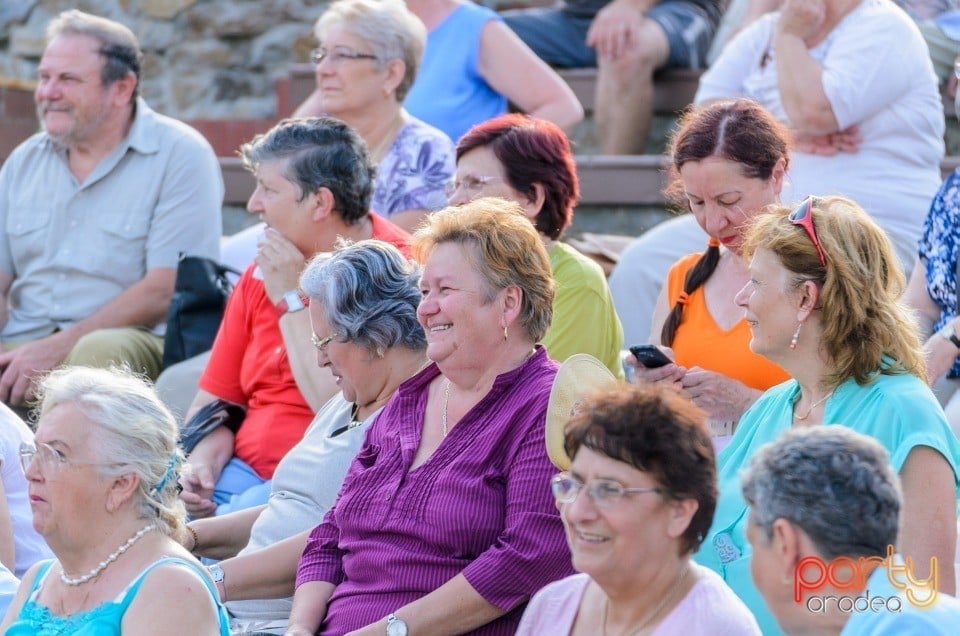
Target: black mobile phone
<point x="650" y="356"/>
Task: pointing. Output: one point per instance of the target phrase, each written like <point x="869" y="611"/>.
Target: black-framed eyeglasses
<point x="604" y="493"/>
<point x="803" y="216"/>
<point x="338" y="54"/>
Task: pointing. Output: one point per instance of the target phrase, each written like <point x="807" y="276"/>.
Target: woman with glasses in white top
<point x="636" y="502"/>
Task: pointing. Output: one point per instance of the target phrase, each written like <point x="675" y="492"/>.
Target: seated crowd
<point x="374" y="431"/>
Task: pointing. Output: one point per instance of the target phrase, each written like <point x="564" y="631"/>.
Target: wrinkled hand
<point x="616" y="30"/>
<point x="197" y="494"/>
<point x="669" y="373"/>
<point x="24" y="364"/>
<point x="721" y="397"/>
<point x="802" y="18"/>
<point x="846" y="140"/>
<point x="281" y="264"/>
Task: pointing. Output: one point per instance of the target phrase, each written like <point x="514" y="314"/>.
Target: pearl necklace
<point x="80" y="580"/>
<point x="446" y="402"/>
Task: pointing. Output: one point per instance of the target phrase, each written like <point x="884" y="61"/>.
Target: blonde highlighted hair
<point x="863" y="318"/>
<point x="506" y="250"/>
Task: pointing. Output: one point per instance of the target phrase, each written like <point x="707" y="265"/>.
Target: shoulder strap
<point x="40" y="578"/>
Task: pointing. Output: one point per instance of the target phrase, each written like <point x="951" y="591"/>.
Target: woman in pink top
<point x="636" y="503"/>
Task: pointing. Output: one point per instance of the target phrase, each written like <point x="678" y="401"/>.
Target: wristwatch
<point x="948" y="333"/>
<point x="290" y="303"/>
<point x="216" y="573"/>
<point x="395" y="626"/>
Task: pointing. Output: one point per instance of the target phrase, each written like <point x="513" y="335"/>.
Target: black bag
<point x="216" y="413"/>
<point x="196" y="309"/>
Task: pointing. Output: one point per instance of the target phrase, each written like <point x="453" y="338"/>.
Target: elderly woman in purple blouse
<point x="443" y="524"/>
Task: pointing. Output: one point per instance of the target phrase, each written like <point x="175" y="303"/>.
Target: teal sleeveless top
<point x="103" y="620"/>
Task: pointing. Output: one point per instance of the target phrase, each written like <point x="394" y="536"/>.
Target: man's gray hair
<point x="118" y="45"/>
<point x="369" y="293"/>
<point x="834" y="484"/>
<point x="320" y="152"/>
<point x="391" y="31"/>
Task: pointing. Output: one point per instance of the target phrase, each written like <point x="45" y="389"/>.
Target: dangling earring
<point x="796" y="336"/>
<point x="505" y="334"/>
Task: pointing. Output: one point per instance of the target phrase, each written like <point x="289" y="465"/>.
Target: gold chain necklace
<point x="656" y="612"/>
<point x="446" y="402"/>
<point x="801" y="418"/>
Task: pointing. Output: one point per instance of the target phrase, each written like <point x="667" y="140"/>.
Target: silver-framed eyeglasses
<point x="51" y="460"/>
<point x="604" y="493"/>
<point x="469" y="183"/>
<point x="320" y="344"/>
<point x="338" y="54"/>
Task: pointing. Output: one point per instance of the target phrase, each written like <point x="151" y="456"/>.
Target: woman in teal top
<point x="102" y="476"/>
<point x="822" y="302"/>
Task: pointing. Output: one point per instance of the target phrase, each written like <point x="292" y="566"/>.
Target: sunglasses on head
<point x="803" y="216"/>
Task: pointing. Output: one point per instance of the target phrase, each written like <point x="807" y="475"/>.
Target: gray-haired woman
<point x="363" y="308"/>
<point x="824" y="516"/>
<point x="368" y="56"/>
<point x="102" y="476"/>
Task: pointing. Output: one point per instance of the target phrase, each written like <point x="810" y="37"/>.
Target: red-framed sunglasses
<point x="803" y="216"/>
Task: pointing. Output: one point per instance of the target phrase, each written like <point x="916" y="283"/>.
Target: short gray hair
<point x="118" y="45"/>
<point x="369" y="293"/>
<point x="136" y="432"/>
<point x="834" y="484"/>
<point x="320" y="152"/>
<point x="387" y="26"/>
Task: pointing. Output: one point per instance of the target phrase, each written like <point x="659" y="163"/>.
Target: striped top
<point x="480" y="505"/>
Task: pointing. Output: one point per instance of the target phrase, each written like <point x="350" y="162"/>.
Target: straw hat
<point x="579" y="376"/>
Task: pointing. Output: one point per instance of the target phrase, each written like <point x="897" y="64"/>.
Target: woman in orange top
<point x="728" y="162"/>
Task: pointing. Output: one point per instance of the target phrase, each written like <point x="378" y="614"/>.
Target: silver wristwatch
<point x="395" y="626"/>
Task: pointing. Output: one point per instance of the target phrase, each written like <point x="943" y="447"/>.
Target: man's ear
<point x="122" y="90"/>
<point x="786" y="542"/>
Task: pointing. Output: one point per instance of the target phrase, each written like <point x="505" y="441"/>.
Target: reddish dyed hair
<point x="532" y="151"/>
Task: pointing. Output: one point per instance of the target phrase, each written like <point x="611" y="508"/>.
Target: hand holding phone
<point x="650" y="356"/>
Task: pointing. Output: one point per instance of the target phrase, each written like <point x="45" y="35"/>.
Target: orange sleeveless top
<point x="699" y="342"/>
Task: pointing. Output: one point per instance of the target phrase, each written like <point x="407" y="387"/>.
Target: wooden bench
<point x="673" y="89"/>
<point x="604" y="180"/>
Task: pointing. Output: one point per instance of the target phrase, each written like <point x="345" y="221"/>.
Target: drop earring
<point x="796" y="336"/>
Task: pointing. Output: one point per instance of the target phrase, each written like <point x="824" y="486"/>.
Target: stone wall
<point x="203" y="59"/>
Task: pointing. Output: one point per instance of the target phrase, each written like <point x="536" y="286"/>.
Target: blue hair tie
<point x="163" y="480"/>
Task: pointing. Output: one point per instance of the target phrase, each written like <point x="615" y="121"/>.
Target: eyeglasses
<point x="803" y="216"/>
<point x="338" y="54"/>
<point x="321" y="343"/>
<point x="604" y="493"/>
<point x="50" y="458"/>
<point x="469" y="184"/>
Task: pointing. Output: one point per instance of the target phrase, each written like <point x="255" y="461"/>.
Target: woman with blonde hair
<point x="823" y="303"/>
<point x="443" y="524"/>
<point x="103" y="488"/>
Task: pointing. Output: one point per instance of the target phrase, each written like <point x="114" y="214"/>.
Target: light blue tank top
<point x="103" y="620"/>
<point x="449" y="92"/>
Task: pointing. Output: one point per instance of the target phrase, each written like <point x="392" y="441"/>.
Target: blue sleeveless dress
<point x="105" y="619"/>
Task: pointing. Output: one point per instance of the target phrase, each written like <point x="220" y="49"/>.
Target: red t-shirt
<point x="248" y="365"/>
